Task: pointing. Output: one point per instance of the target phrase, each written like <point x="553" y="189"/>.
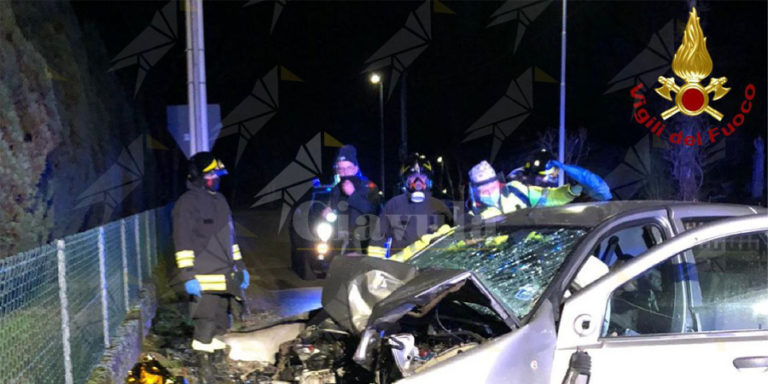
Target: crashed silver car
<point x="489" y="303"/>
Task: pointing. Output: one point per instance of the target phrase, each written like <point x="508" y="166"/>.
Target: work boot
<point x="206" y="370"/>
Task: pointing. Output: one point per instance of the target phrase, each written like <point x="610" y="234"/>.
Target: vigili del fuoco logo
<point x="692" y="64"/>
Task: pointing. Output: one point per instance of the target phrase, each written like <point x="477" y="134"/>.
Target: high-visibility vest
<point x="516" y="195"/>
<point x="421" y="243"/>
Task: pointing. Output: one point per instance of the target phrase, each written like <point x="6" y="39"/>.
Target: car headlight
<point x="324" y="230"/>
<point x="322" y="249"/>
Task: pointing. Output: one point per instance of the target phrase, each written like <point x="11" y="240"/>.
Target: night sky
<point x="466" y="68"/>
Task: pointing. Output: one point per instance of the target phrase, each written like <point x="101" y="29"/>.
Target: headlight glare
<point x="324" y="230"/>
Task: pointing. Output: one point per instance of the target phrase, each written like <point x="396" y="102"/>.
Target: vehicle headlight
<point x="324" y="230"/>
<point x="322" y="249"/>
<point x="331" y="217"/>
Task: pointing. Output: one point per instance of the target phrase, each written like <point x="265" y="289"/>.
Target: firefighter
<point x="411" y="215"/>
<point x="490" y="196"/>
<point x="208" y="259"/>
<point x="354" y="200"/>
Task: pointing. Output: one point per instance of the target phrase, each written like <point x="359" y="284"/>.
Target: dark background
<point x="464" y="71"/>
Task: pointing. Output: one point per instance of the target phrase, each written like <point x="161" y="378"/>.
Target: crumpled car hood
<point x="356" y="283"/>
<point x="427" y="287"/>
<point x="364" y="292"/>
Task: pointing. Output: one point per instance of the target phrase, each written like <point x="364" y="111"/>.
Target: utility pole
<point x="403" y="116"/>
<point x="561" y="140"/>
<point x="381" y="137"/>
<point x="196" y="89"/>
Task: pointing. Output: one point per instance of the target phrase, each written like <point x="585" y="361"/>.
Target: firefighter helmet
<point x="537" y="165"/>
<point x="416" y="164"/>
<point x="202" y="163"/>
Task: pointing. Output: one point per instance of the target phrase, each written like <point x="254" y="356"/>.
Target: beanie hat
<point x="347" y="153"/>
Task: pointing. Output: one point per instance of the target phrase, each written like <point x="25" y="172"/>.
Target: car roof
<point x="594" y="213"/>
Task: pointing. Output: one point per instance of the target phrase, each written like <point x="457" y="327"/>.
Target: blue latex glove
<point x="246" y="279"/>
<point x="595" y="186"/>
<point x="193" y="287"/>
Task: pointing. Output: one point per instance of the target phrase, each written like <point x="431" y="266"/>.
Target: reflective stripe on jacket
<point x="204" y="240"/>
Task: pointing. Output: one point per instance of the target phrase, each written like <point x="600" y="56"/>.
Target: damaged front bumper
<point x="382" y="321"/>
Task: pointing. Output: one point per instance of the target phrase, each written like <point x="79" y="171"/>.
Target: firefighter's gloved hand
<point x="246" y="279"/>
<point x="595" y="186"/>
<point x="193" y="287"/>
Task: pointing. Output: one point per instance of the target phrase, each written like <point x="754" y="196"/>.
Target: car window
<point x="645" y="305"/>
<point x="695" y="222"/>
<point x="627" y="243"/>
<point x="731" y="275"/>
<point x="733" y="279"/>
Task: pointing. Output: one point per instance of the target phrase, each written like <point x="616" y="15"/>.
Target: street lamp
<point x="375" y="79"/>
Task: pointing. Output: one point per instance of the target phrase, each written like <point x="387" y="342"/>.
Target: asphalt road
<point x="266" y="252"/>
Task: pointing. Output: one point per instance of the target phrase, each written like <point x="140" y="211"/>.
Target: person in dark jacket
<point x="411" y="215"/>
<point x="208" y="258"/>
<point x="355" y="200"/>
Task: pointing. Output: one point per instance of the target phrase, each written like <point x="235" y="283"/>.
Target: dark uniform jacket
<point x="405" y="222"/>
<point x="364" y="201"/>
<point x="204" y="239"/>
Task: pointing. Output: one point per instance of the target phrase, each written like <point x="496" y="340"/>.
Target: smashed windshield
<point x="515" y="264"/>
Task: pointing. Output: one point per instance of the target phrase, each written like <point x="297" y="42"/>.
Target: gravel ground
<point x="275" y="293"/>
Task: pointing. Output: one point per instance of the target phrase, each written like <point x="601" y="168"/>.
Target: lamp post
<point x="197" y="98"/>
<point x="561" y="135"/>
<point x="375" y="79"/>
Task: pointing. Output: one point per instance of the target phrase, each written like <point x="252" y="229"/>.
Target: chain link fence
<point x="61" y="304"/>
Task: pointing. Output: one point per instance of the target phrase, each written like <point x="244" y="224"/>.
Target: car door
<point x="691" y="216"/>
<point x="619" y="242"/>
<point x="727" y="340"/>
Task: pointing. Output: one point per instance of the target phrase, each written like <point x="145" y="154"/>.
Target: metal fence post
<point x="103" y="286"/>
<point x="157" y="235"/>
<point x="138" y="247"/>
<point x="153" y="240"/>
<point x="62" y="264"/>
<point x="148" y="244"/>
<point x="124" y="254"/>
